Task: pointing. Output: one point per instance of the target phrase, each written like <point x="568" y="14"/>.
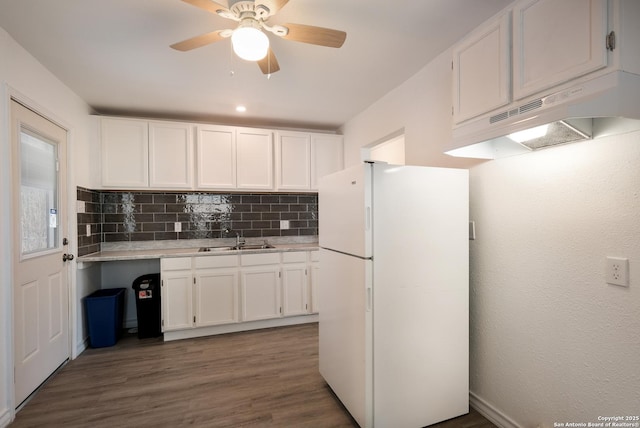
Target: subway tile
<point x="165" y="218"/>
<point x="164" y="198"/>
<point x="279" y="207"/>
<point x="153" y="227"/>
<point x="153" y="208"/>
<point x="129" y="216"/>
<point x="288" y="199"/>
<point x="161" y="236"/>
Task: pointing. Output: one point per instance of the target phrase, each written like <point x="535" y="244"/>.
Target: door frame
<point x="10" y="94"/>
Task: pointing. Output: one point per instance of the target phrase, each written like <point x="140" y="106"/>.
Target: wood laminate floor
<point x="264" y="378"/>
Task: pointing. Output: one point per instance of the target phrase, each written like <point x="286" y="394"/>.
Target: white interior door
<point x="40" y="281"/>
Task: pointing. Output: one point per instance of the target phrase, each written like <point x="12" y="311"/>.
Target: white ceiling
<point x="115" y="55"/>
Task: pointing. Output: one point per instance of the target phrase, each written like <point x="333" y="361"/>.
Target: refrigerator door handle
<point x="368" y="299"/>
<point x="367" y="220"/>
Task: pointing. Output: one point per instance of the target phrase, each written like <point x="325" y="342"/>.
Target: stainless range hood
<point x="605" y="105"/>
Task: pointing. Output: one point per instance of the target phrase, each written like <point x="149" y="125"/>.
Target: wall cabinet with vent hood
<point x="537" y="47"/>
<point x="482" y="70"/>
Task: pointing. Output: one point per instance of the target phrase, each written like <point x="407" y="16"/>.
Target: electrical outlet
<point x="88" y="230"/>
<point x="177" y="226"/>
<point x="617" y="271"/>
<point x="284" y="224"/>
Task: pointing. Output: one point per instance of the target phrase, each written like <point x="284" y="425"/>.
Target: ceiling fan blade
<point x="269" y="64"/>
<point x="273" y="5"/>
<point x="315" y="35"/>
<point x="198" y="41"/>
<point x="207" y="5"/>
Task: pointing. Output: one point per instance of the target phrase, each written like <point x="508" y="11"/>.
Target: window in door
<point x="38" y="193"/>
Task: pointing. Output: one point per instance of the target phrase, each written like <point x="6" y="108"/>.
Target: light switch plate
<point x="284" y="224"/>
<point x="81" y="207"/>
<point x="177" y="226"/>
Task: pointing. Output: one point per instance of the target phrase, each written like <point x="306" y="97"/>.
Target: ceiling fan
<point x="249" y="40"/>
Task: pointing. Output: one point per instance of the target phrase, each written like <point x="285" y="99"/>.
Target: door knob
<point x="66" y="257"/>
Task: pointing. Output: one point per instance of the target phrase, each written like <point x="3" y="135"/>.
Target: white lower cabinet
<point x="216" y="290"/>
<point x="295" y="283"/>
<point x="260" y="283"/>
<point x="177" y="293"/>
<point x="221" y="290"/>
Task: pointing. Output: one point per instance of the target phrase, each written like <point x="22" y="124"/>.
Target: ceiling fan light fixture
<point x="249" y="42"/>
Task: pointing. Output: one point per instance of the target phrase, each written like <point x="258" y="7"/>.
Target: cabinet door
<point x="294" y="288"/>
<point x="170" y="155"/>
<point x="293" y="156"/>
<point x="556" y="41"/>
<point x="254" y="159"/>
<point x="327" y="156"/>
<point x="125" y="153"/>
<point x="481" y="70"/>
<point x="216" y="298"/>
<point x="216" y="157"/>
<point x="177" y="299"/>
<point x="260" y="293"/>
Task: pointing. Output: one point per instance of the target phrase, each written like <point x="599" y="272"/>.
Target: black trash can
<point x="105" y="316"/>
<point x="147" y="291"/>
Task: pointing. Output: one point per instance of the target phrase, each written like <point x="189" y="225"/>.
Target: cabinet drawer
<point x="230" y="260"/>
<point x="260" y="259"/>
<point x="294" y="257"/>
<point x="315" y="256"/>
<point x="175" y="263"/>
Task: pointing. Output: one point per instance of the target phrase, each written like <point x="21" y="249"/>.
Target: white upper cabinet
<point x="302" y="158"/>
<point x="163" y="155"/>
<point x="293" y="160"/>
<point x="254" y="159"/>
<point x="125" y="153"/>
<point x="482" y="70"/>
<point x="556" y="41"/>
<point x="140" y="154"/>
<point x="170" y="155"/>
<point x="234" y="158"/>
<point x="327" y="156"/>
<point x="216" y="157"/>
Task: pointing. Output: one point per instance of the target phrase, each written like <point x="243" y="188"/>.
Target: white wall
<point x="21" y="74"/>
<point x="422" y="106"/>
<point x="550" y="340"/>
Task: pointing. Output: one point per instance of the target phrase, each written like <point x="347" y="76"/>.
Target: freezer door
<point x="344" y="205"/>
<point x="345" y="348"/>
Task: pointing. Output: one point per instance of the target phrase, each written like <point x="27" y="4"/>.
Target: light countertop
<point x="186" y="248"/>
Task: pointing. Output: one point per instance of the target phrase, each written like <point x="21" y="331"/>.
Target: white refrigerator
<point x="394" y="293"/>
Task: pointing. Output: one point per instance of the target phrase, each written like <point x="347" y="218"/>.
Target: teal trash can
<point x="105" y="316"/>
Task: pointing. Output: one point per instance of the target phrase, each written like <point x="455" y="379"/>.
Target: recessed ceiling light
<point x="241" y="109"/>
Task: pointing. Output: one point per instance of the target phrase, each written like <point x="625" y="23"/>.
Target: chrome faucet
<point x="240" y="241"/>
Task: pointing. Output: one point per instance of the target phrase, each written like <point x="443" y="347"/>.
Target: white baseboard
<point x="490" y="412"/>
<point x="5" y="418"/>
<point x="241" y="326"/>
<point x="81" y="347"/>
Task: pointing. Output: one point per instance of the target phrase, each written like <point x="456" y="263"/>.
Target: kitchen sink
<point x="256" y="247"/>
<point x="216" y="249"/>
<point x="236" y="247"/>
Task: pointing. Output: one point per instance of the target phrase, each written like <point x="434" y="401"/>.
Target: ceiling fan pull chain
<point x="231" y="63"/>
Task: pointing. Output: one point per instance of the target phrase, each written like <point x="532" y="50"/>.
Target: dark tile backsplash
<point x="149" y="216"/>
